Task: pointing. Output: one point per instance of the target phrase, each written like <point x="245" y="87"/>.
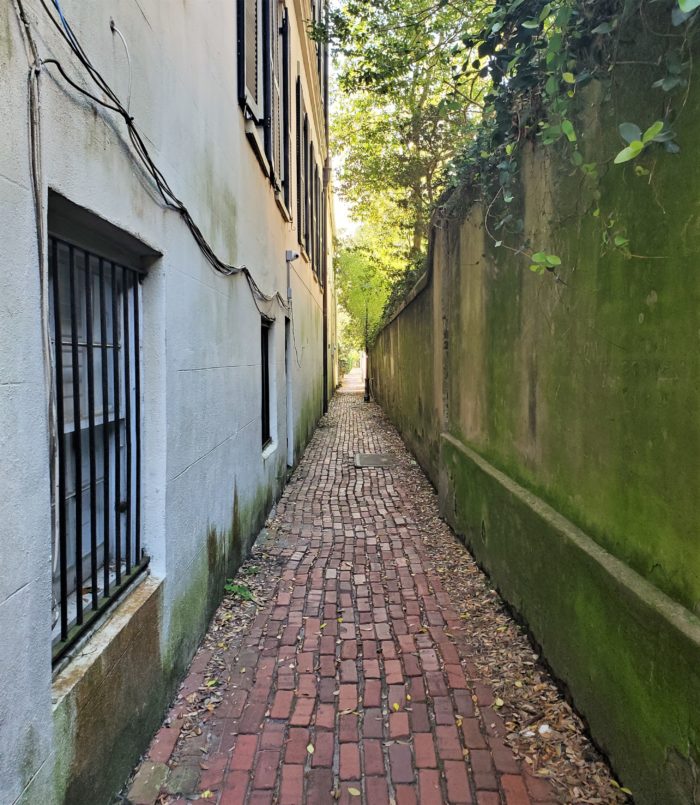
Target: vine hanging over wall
<point x="537" y="56"/>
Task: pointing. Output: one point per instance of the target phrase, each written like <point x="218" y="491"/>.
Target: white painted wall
<point x="201" y="354"/>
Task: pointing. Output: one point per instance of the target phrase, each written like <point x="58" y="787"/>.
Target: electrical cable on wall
<point x="33" y="119"/>
<point x="113" y="28"/>
<point x="170" y="199"/>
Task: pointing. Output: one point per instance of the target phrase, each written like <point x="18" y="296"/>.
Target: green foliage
<point x="363" y="287"/>
<point x="401" y="114"/>
<point x="348" y="358"/>
<point x="434" y="96"/>
<point x="658" y="132"/>
<point x="238" y="590"/>
<point x="544" y="262"/>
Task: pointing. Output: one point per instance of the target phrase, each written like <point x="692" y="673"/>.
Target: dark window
<point x="265" y="391"/>
<point x="95" y="324"/>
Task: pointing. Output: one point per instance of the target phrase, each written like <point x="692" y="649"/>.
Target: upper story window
<point x="250" y="57"/>
<point x="265" y="95"/>
<point x="264" y="86"/>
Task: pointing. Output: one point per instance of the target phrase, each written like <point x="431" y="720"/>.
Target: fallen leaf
<point x="354" y="792"/>
<point x="310" y="749"/>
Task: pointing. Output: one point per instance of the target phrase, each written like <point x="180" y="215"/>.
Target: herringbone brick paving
<point x="354" y="683"/>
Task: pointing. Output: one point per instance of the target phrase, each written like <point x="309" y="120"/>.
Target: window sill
<point x="62" y="651"/>
<point x="269" y="450"/>
<point x="254" y="134"/>
<point x="279" y="198"/>
<point x="98" y="641"/>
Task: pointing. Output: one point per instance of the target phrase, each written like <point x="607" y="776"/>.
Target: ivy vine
<point x="536" y="55"/>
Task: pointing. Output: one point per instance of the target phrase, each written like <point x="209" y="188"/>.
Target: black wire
<point x="168" y="195"/>
<point x="76" y="86"/>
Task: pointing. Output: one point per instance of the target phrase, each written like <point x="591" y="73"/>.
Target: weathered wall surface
<point x="404" y="376"/>
<point x="207" y="485"/>
<point x="568" y="424"/>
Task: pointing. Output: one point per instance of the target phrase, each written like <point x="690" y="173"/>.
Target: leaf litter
<point x="544" y="731"/>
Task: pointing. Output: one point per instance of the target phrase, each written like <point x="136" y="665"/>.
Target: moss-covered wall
<point x="586" y="396"/>
<point x="403" y="377"/>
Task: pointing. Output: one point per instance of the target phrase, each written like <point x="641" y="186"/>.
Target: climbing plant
<point x="510" y="74"/>
<point x="537" y="55"/>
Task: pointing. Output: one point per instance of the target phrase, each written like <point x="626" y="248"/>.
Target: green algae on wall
<point x="92" y="750"/>
<point x="632" y="662"/>
<point x="403" y="380"/>
<point x="570" y="448"/>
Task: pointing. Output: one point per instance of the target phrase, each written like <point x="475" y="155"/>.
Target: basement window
<point x="95" y="321"/>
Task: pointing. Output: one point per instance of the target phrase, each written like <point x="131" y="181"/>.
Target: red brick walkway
<point x="354" y="683"/>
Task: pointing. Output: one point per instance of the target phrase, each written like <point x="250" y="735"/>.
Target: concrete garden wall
<point x="567" y="419"/>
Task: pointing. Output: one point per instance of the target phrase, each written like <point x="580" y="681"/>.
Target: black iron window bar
<point x="97" y="550"/>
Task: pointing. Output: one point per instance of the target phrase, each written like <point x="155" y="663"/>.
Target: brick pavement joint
<point x="355" y="685"/>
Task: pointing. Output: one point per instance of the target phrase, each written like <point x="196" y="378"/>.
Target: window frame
<point x="252" y="104"/>
<point x="286" y="112"/>
<point x="105" y="437"/>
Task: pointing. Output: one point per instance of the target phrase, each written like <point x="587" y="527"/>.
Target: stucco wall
<point x="568" y="424"/>
<point x="206" y="484"/>
<point x="405" y="377"/>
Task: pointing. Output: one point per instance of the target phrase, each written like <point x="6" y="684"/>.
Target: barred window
<point x="95" y="324"/>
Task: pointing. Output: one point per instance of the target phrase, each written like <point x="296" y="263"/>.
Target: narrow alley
<point x="353" y="675"/>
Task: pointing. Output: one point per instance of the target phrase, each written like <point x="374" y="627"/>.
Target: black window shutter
<point x="324" y="236"/>
<point x="308" y="185"/>
<point x="301" y="166"/>
<point x="268" y="38"/>
<point x="317" y="222"/>
<point x="276" y="110"/>
<point x="286" y="116"/>
<point x="249" y="22"/>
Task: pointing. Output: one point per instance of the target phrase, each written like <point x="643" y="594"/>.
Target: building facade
<point x="167" y="344"/>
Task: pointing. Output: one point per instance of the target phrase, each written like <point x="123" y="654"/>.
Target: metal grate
<point x="373" y="460"/>
<point x="97" y="503"/>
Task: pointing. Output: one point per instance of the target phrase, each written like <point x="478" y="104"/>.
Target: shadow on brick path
<point x="353" y="683"/>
